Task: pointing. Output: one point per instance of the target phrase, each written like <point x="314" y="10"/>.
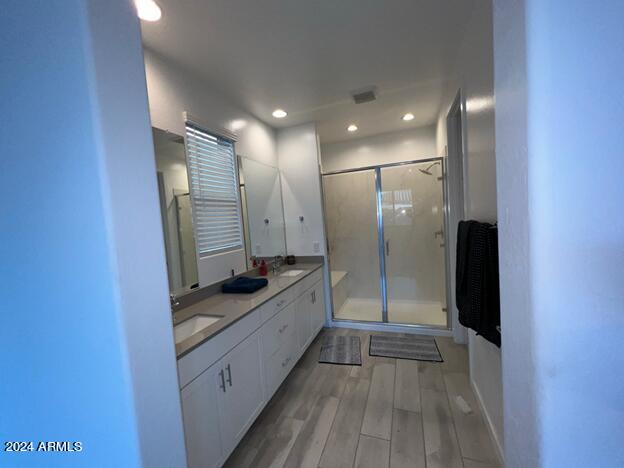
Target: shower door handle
<point x="387" y="248"/>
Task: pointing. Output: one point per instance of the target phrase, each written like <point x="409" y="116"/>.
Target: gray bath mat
<point x="341" y="350"/>
<point x="417" y="347"/>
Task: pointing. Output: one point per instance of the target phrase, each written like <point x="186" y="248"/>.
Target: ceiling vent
<point x="364" y="95"/>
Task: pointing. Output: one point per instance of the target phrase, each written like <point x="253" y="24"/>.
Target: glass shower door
<point x="351" y="216"/>
<point x="413" y="234"/>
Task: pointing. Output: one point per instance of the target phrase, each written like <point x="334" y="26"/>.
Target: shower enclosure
<point x="385" y="230"/>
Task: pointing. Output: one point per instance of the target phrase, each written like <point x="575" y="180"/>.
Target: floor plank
<point x="306" y="394"/>
<point x="321" y="415"/>
<point x="365" y="371"/>
<point x="335" y="380"/>
<point x="273" y="451"/>
<point x="455" y="355"/>
<point x="477" y="464"/>
<point x="378" y="415"/>
<point x="407" y="446"/>
<point x="308" y="448"/>
<point x="342" y="441"/>
<point x="472" y="433"/>
<point x="372" y="453"/>
<point x="407" y="387"/>
<point x="266" y="423"/>
<point x="430" y="376"/>
<point x="441" y="446"/>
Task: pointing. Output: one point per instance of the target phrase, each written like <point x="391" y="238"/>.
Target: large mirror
<point x="262" y="193"/>
<point x="175" y="206"/>
<point x="262" y="210"/>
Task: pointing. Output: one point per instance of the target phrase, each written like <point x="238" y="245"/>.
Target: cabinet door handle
<point x="229" y="371"/>
<point x="281" y="329"/>
<point x="222" y="385"/>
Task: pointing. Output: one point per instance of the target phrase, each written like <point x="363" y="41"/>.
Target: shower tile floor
<point x="410" y="312"/>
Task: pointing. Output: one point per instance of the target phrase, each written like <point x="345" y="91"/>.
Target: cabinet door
<point x="302" y="319"/>
<point x="243" y="397"/>
<point x="318" y="308"/>
<point x="201" y="421"/>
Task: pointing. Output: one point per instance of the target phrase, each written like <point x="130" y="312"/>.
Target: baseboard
<point x="498" y="446"/>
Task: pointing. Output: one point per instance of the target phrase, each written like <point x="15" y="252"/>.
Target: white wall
<point x="404" y="145"/>
<point x="172" y="91"/>
<point x="301" y="189"/>
<point x="559" y="143"/>
<point x="87" y="339"/>
<point x="474" y="75"/>
<point x="299" y="163"/>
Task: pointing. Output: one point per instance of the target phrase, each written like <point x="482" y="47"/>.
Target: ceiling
<point x="307" y="56"/>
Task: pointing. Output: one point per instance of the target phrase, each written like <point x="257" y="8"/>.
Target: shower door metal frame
<point x="381" y="244"/>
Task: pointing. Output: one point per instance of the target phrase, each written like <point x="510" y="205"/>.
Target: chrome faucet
<point x="278" y="261"/>
<point x="173" y="300"/>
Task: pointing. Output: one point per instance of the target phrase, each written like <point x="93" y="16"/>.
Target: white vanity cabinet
<point x="227" y="380"/>
<point x="241" y="396"/>
<point x="310" y="315"/>
<point x="219" y="406"/>
<point x="302" y="319"/>
<point x="279" y="348"/>
<point x="202" y="430"/>
<point x="317" y="311"/>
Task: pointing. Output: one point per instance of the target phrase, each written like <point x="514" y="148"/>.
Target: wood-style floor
<point x="386" y="413"/>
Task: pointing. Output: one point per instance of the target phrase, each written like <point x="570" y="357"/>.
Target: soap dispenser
<point x="264" y="270"/>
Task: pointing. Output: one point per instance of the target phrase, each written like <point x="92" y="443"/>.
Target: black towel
<point x="244" y="285"/>
<point x="477" y="290"/>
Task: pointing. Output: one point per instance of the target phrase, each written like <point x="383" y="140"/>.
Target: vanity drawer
<point x="275" y="332"/>
<point x="279" y="364"/>
<point x="270" y="308"/>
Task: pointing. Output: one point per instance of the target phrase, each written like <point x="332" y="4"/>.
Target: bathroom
<point x="296" y="234"/>
<point x="357" y="193"/>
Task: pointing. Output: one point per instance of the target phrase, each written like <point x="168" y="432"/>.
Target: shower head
<point x="428" y="169"/>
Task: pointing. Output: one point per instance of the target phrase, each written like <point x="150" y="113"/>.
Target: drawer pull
<point x="281" y="329"/>
<point x="280" y="303"/>
<point x="222" y="385"/>
<point x="229" y="371"/>
<point x="285" y="362"/>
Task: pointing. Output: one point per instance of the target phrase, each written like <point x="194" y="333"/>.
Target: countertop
<point x="233" y="307"/>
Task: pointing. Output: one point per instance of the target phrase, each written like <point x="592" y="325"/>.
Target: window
<point x="214" y="192"/>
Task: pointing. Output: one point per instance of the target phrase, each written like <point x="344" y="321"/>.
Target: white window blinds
<point x="214" y="192"/>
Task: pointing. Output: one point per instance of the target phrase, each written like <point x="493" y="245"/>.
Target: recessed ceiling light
<point x="279" y="113"/>
<point x="148" y="10"/>
<point x="407" y="117"/>
<point x="352" y="128"/>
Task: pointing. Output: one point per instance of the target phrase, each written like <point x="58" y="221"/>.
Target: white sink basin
<point x="192" y="326"/>
<point x="292" y="272"/>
